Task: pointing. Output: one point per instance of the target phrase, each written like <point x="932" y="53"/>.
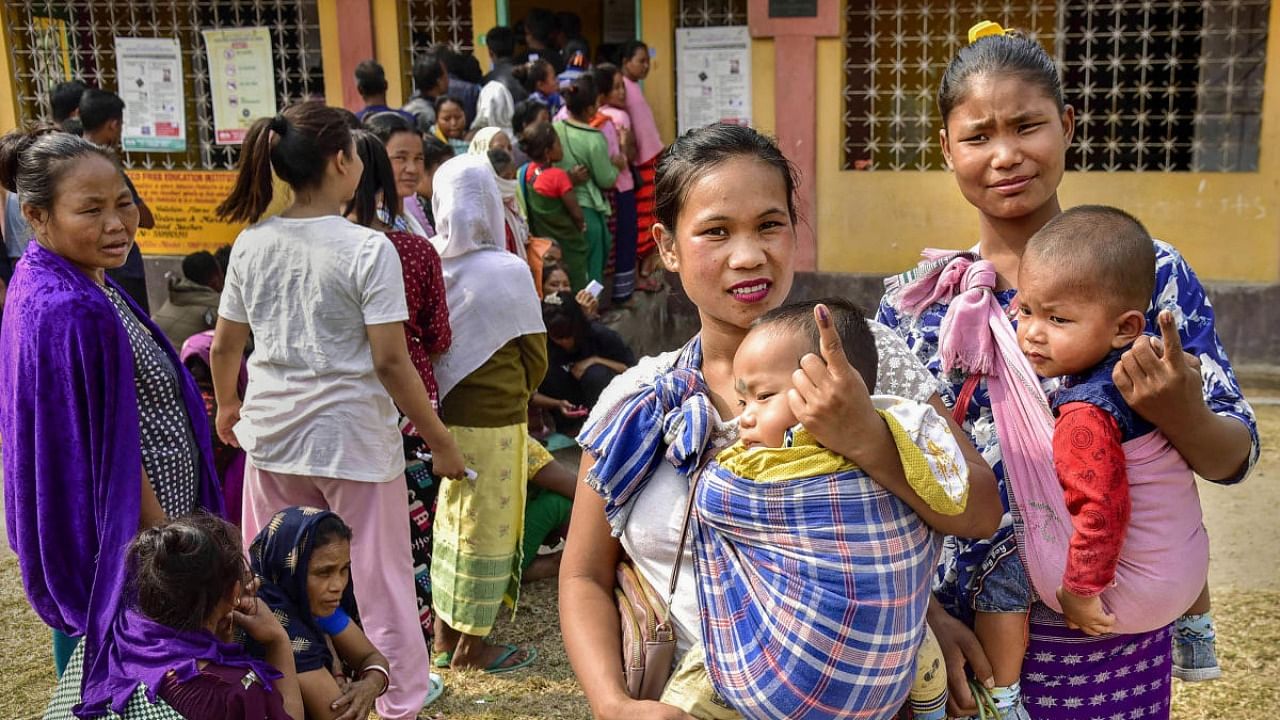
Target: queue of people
<point x="360" y="411"/>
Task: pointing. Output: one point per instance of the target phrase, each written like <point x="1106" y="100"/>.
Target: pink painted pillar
<point x="355" y="45"/>
<point x="795" y="97"/>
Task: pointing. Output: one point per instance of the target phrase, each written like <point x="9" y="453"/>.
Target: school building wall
<point x="865" y="223"/>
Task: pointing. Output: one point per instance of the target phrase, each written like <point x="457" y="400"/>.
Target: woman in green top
<point x="549" y="199"/>
<point x="586" y="146"/>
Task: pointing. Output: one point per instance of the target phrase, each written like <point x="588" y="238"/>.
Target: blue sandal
<point x="497" y="668"/>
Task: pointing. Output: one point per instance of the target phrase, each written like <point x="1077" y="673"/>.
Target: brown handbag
<point x="648" y="639"/>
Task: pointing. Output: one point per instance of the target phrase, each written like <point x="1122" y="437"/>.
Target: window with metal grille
<point x="711" y="13"/>
<point x="434" y="21"/>
<point x="1157" y="86"/>
<point x="51" y="42"/>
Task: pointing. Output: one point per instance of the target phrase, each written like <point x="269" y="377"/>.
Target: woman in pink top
<point x="635" y="67"/>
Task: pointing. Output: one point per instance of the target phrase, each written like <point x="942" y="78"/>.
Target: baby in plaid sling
<point x="814" y="579"/>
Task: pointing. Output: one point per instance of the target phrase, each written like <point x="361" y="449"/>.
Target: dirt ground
<point x="1243" y="522"/>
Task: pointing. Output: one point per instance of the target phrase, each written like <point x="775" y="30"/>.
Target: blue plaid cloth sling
<point x="813" y="593"/>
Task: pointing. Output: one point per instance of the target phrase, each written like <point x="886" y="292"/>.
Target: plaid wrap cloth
<point x="813" y="590"/>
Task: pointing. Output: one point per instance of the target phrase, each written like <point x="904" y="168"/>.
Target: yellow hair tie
<point x="983" y="29"/>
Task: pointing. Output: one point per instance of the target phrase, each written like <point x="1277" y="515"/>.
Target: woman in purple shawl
<point x="103" y="430"/>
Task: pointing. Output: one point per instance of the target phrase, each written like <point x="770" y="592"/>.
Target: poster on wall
<point x="185" y="204"/>
<point x="149" y="73"/>
<point x="241" y="80"/>
<point x="713" y="76"/>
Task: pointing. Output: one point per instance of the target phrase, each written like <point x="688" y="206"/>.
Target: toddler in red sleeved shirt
<point x="1084" y="286"/>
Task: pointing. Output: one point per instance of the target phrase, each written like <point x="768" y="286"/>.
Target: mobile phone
<point x="595" y="288"/>
<point x="426" y="457"/>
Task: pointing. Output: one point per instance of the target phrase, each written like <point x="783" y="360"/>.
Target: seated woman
<point x="302" y="558"/>
<point x="584" y="357"/>
<point x="170" y="652"/>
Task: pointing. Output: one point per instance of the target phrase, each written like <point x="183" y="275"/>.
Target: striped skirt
<point x="645" y="217"/>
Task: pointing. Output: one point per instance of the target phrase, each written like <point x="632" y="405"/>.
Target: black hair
<point x="99" y="107"/>
<point x="1102" y="252"/>
<point x="526" y="112"/>
<point x="427" y="71"/>
<point x="699" y="150"/>
<point x="353" y="121"/>
<point x="605" y="74"/>
<point x="445" y="100"/>
<point x="377" y="186"/>
<point x="180" y="571"/>
<point x="434" y="152"/>
<point x="629" y="49"/>
<point x="581" y="95"/>
<point x="371" y="79"/>
<point x="501" y="41"/>
<point x="223" y="256"/>
<point x="330" y="530"/>
<point x="502" y="161"/>
<point x="33" y="162"/>
<point x="850" y="324"/>
<point x="386" y="124"/>
<point x="453" y="60"/>
<point x="998" y="55"/>
<point x="549" y="268"/>
<point x="537" y="140"/>
<point x="297" y="144"/>
<point x="531" y="73"/>
<point x="200" y="267"/>
<point x="64" y="100"/>
<point x="541" y="24"/>
<point x="564" y="318"/>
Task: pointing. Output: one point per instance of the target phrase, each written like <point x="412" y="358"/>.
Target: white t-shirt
<point x="652" y="532"/>
<point x="307" y="288"/>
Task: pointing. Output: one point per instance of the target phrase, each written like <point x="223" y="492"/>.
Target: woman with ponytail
<point x="104" y="431"/>
<point x="325" y="301"/>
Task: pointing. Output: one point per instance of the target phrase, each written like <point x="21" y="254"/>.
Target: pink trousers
<point x="381" y="567"/>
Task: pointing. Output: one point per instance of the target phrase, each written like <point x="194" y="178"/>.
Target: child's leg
<point x="928" y="697"/>
<point x="1195" y="654"/>
<point x="1004" y="640"/>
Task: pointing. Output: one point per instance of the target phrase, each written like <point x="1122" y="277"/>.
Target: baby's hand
<point x="1085" y="613"/>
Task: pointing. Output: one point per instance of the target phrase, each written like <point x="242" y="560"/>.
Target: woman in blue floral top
<point x="1005" y="135"/>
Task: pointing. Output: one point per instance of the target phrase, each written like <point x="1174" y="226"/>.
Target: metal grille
<point x="435" y="21"/>
<point x="711" y="13"/>
<point x="39" y="29"/>
<point x="1157" y="86"/>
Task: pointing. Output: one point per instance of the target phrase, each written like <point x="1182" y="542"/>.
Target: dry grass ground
<point x="1245" y="575"/>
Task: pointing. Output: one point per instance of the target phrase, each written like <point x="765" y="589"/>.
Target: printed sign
<point x="713" y="76"/>
<point x="149" y="72"/>
<point x="184" y="203"/>
<point x="242" y="80"/>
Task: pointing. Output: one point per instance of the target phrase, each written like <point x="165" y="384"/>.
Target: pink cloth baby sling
<point x="1164" y="560"/>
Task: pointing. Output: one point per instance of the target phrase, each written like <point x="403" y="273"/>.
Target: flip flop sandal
<point x="497" y="668"/>
<point x="442" y="659"/>
<point x="437" y="689"/>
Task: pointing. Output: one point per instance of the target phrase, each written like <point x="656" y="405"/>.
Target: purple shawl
<point x="72" y="455"/>
<point x="144" y="651"/>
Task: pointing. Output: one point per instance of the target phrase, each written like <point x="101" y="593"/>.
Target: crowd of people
<point x="317" y="474"/>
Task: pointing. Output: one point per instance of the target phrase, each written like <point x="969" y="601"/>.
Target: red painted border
<point x="355" y="45"/>
<point x="826" y="24"/>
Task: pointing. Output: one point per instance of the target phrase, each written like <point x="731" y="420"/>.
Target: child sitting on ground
<point x="549" y="199"/>
<point x="811" y="572"/>
<point x="1129" y="553"/>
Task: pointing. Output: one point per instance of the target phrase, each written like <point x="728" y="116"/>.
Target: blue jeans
<point x="1004" y="588"/>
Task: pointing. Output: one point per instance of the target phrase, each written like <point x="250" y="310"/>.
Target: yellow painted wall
<point x="1227" y="224"/>
<point x="484" y="15"/>
<point x="657" y="29"/>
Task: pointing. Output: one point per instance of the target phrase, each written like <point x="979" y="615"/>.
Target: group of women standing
<point x="350" y="319"/>
<point x="1003" y="116"/>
